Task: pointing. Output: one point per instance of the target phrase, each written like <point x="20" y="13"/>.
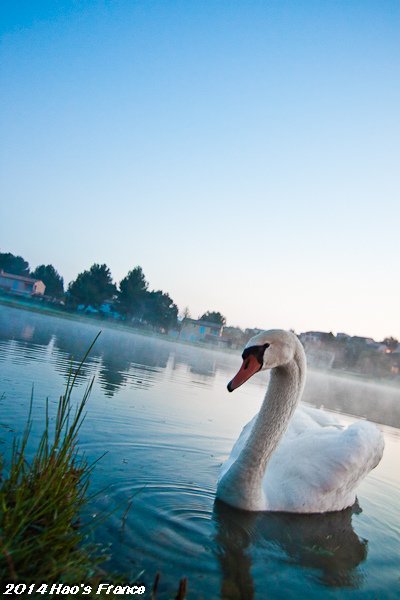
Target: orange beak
<point x="249" y="367"/>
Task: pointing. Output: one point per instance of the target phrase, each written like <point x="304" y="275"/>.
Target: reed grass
<point x="41" y="499"/>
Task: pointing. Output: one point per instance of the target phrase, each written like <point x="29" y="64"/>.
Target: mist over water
<point x="370" y="400"/>
<point x="162" y="412"/>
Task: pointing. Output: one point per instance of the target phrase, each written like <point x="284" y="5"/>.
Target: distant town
<point x="94" y="294"/>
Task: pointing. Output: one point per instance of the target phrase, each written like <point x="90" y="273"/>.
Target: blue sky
<point x="245" y="154"/>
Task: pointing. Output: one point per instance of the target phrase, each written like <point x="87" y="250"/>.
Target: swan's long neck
<point x="243" y="480"/>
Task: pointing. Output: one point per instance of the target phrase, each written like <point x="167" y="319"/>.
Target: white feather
<point x="314" y="467"/>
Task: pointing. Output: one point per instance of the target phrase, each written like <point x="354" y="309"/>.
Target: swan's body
<point x="292" y="460"/>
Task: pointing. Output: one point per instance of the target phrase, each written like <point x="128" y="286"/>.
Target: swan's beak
<point x="249" y="367"/>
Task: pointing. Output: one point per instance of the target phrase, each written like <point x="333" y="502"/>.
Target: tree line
<point x="134" y="302"/>
<point x="131" y="299"/>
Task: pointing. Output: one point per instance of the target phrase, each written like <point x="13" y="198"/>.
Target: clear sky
<point x="244" y="153"/>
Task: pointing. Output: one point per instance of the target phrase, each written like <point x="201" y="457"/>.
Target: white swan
<point x="312" y="466"/>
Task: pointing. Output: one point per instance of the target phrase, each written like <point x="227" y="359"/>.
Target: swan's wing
<point x="319" y="416"/>
<point x="319" y="471"/>
<point x="305" y="419"/>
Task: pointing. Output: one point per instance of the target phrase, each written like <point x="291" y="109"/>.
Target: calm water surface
<point x="162" y="413"/>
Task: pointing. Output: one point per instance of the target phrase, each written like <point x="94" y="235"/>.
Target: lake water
<point x="162" y="413"/>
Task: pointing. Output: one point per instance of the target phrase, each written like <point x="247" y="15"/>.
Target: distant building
<point x="312" y="336"/>
<point x="106" y="309"/>
<point x="363" y="340"/>
<point x="193" y="330"/>
<point x="378" y="346"/>
<point x="23" y="286"/>
<point x="251" y="332"/>
<point x="233" y="337"/>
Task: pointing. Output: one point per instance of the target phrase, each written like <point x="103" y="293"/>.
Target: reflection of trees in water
<point x="65" y="365"/>
<point x="116" y="360"/>
<point x="21" y="326"/>
<point x="197" y="360"/>
<point x="30" y="341"/>
<point x="376" y="403"/>
<point x="323" y="542"/>
<point x="74" y="341"/>
<point x="149" y="353"/>
<point x="113" y="373"/>
<point x="120" y="357"/>
<point x="206" y="369"/>
<point x="119" y="351"/>
<point x="114" y="354"/>
<point x="70" y="346"/>
<point x="127" y="358"/>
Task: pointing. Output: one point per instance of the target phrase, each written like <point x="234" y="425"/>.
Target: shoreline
<point x="115" y="326"/>
<point x="108" y="324"/>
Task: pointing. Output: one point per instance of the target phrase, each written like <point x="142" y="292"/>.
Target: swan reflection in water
<point x="326" y="543"/>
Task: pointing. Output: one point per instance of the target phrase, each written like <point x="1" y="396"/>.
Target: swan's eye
<point x="256" y="351"/>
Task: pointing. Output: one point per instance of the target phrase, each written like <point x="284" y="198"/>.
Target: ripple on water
<point x="168" y="523"/>
<point x="161" y="412"/>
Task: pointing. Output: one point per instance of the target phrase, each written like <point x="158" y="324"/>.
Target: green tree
<point x="160" y="310"/>
<point x="234" y="336"/>
<point x="213" y="317"/>
<point x="186" y="313"/>
<point x="13" y="264"/>
<point x="91" y="287"/>
<point x="51" y="278"/>
<point x="132" y="293"/>
<point x="391" y="343"/>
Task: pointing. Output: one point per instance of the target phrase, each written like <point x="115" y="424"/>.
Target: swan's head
<point x="267" y="350"/>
